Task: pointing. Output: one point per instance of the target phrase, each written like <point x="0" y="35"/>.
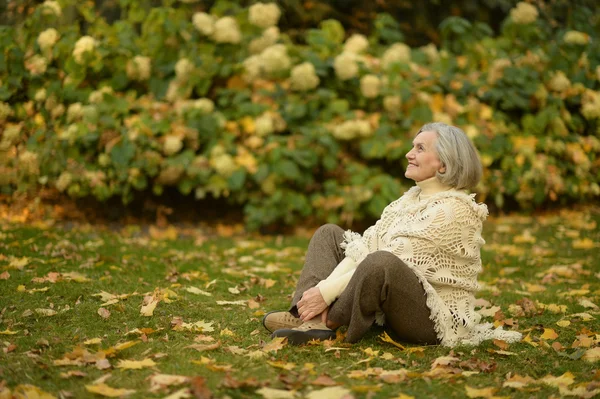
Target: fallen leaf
<point x="563" y="323"/>
<point x="549" y="334"/>
<point x="18" y="263"/>
<point x="329" y="393"/>
<point x="234" y="290"/>
<point x="181" y="394"/>
<point x="4" y="276"/>
<point x="240" y="303"/>
<point x="26" y="391"/>
<point x="72" y="373"/>
<point x="161" y="381"/>
<point x="584" y="243"/>
<point x="135" y="364"/>
<point x="8" y="332"/>
<point x="282" y="365"/>
<point x="518" y="382"/>
<point x="148" y="309"/>
<point x="227" y="332"/>
<point x="480" y="392"/>
<point x="272" y="393"/>
<point x="45" y="312"/>
<point x="386" y="338"/>
<point x="197" y="291"/>
<point x="92" y="341"/>
<point x="203" y="348"/>
<point x="592" y="355"/>
<point x="489" y="312"/>
<point x="104" y="313"/>
<point x="586" y="303"/>
<point x="199" y="388"/>
<point x="276" y="344"/>
<point x="564" y="380"/>
<point x="105" y="390"/>
<point x="324" y="380"/>
<point x="403" y="396"/>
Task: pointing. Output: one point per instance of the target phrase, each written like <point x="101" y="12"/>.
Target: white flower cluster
<point x="397" y="53"/>
<point x="74" y="112"/>
<point x="370" y="85"/>
<point x="97" y="96"/>
<point x="50" y="7"/>
<point x="5" y="111"/>
<point x="205" y="105"/>
<point x="264" y="125"/>
<point x="590" y="104"/>
<point x="139" y="68"/>
<point x="36" y="65"/>
<point x="559" y="82"/>
<point x="432" y="53"/>
<point x="264" y="15"/>
<point x="268" y="38"/>
<point x="28" y="163"/>
<point x="524" y="13"/>
<point x="63" y="181"/>
<point x="47" y="39"/>
<point x="349" y="130"/>
<point x="10" y="136"/>
<point x="392" y="104"/>
<point x="183" y="68"/>
<point x="83" y="45"/>
<point x="40" y="95"/>
<point x="227" y="30"/>
<point x="172" y="145"/>
<point x="223" y="163"/>
<point x="356" y="44"/>
<point x="204" y="23"/>
<point x="576" y="37"/>
<point x="346" y="65"/>
<point x="272" y="60"/>
<point x="496" y="70"/>
<point x="304" y="77"/>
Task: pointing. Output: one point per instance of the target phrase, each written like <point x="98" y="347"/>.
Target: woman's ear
<point x="442" y="169"/>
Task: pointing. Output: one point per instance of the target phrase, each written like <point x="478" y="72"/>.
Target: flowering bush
<point x="223" y="104"/>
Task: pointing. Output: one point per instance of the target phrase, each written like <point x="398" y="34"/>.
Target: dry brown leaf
<point x="183" y="393"/>
<point x="199" y="388"/>
<point x="4" y="276"/>
<point x="105" y="390"/>
<point x="45" y="312"/>
<point x="386" y="338"/>
<point x="276" y="344"/>
<point x="518" y="382"/>
<point x="204" y="348"/>
<point x="148" y="309"/>
<point x="324" y="380"/>
<point x="592" y="355"/>
<point x="104" y="313"/>
<point x="161" y="381"/>
<point x="564" y="380"/>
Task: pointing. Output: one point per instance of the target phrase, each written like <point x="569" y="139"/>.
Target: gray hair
<point x="458" y="154"/>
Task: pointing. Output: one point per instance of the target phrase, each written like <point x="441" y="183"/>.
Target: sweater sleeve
<point x="333" y="286"/>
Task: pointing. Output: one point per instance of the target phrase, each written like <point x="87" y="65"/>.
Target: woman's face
<point x="423" y="161"/>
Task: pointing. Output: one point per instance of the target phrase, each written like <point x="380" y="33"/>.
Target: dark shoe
<point x="278" y="320"/>
<point x="306" y="332"/>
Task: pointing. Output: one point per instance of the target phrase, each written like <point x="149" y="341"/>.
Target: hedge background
<point x="289" y="113"/>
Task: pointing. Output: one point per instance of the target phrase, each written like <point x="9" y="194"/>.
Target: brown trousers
<point x="381" y="282"/>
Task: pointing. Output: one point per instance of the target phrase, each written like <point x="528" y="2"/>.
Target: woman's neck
<point x="431" y="186"/>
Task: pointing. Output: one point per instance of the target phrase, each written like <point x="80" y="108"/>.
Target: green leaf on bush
<point x="122" y="153"/>
<point x="237" y="179"/>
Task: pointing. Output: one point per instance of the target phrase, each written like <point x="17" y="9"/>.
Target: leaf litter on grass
<point x="198" y="310"/>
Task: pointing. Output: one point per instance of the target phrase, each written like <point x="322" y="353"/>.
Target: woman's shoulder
<point x="460" y="202"/>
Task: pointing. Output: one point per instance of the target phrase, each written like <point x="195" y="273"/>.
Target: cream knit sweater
<point x="436" y="231"/>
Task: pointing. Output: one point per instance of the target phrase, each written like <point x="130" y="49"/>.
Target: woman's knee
<point x="328" y="229"/>
<point x="379" y="262"/>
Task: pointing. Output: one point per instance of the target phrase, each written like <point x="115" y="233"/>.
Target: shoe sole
<point x="269" y="330"/>
<point x="302" y="337"/>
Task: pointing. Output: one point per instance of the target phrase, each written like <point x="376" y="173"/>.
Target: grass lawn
<point x="87" y="311"/>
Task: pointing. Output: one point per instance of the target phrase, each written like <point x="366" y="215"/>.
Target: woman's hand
<point x="311" y="305"/>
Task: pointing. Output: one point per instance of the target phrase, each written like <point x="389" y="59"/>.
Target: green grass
<point x="519" y="254"/>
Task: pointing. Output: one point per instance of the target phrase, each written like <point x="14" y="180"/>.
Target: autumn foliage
<point x="221" y="103"/>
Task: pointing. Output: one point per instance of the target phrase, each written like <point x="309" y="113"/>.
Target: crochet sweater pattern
<point x="439" y="237"/>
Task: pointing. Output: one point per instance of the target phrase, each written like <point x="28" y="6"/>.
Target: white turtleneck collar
<point x="431" y="186"/>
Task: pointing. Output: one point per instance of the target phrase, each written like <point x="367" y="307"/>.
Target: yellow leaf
<point x="135" y="364"/>
<point x="148" y="309"/>
<point x="268" y="283"/>
<point x="564" y="380"/>
<point x="105" y="390"/>
<point x="533" y="288"/>
<point x="403" y="396"/>
<point x="386" y="338"/>
<point x="104" y="313"/>
<point x="18" y="263"/>
<point x="328" y="393"/>
<point x="8" y="332"/>
<point x="197" y="291"/>
<point x="45" y="312"/>
<point x="93" y="341"/>
<point x="272" y="393"/>
<point x="26" y="391"/>
<point x="528" y="340"/>
<point x="563" y="323"/>
<point x="370" y="352"/>
<point x="77" y="277"/>
<point x="549" y="334"/>
<point x="183" y="393"/>
<point x="480" y="392"/>
<point x="276" y="344"/>
<point x="282" y="365"/>
<point x="584" y="243"/>
<point x="241" y="302"/>
<point x="160" y="381"/>
<point x="517" y="381"/>
<point x="170" y="233"/>
<point x="592" y="355"/>
<point x="21" y="288"/>
<point x="125" y="345"/>
<point x="252" y="304"/>
<point x="227" y="332"/>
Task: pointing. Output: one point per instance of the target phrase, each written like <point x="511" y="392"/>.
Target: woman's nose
<point x="409" y="154"/>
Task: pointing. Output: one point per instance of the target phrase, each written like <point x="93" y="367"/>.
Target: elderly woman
<point x="415" y="270"/>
